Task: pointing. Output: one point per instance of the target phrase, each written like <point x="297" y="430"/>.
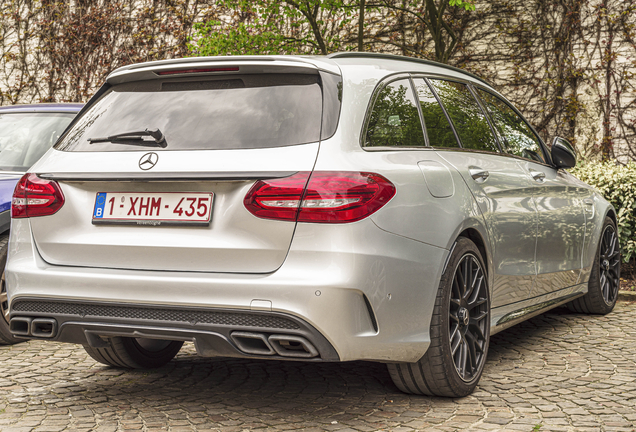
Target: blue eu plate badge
<point x="100" y="201"/>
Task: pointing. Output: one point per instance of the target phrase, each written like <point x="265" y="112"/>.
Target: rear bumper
<point x="354" y="292"/>
<point x="215" y="332"/>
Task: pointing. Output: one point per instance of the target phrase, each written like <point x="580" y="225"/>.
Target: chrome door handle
<point x="538" y="175"/>
<point x="478" y="174"/>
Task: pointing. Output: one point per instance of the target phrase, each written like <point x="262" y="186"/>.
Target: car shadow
<point x="519" y="335"/>
<point x="280" y="386"/>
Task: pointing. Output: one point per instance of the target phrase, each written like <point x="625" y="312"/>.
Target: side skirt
<point x="507" y="316"/>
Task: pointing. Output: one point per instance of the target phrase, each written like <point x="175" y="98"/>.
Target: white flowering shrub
<point x="617" y="183"/>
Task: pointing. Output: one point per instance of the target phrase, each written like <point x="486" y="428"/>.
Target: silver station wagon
<point x="322" y="209"/>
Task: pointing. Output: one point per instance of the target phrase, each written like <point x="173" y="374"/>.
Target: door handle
<point x="589" y="204"/>
<point x="478" y="174"/>
<point x="538" y="175"/>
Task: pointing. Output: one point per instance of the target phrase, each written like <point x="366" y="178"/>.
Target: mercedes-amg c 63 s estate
<point x="348" y="207"/>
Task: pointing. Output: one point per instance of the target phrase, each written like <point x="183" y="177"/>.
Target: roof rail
<point x="403" y="58"/>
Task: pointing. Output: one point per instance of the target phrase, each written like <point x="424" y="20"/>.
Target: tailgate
<point x="233" y="241"/>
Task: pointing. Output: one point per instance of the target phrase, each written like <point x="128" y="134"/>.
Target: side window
<point x="394" y="120"/>
<point x="467" y="117"/>
<point x="516" y="136"/>
<point x="439" y="131"/>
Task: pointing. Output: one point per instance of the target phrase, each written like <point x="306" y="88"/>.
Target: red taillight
<point x="277" y="198"/>
<point x="328" y="197"/>
<point x="34" y="196"/>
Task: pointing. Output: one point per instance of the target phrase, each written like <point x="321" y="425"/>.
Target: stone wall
<point x="569" y="66"/>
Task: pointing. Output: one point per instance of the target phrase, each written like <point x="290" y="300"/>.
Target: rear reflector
<point x="34" y="196"/>
<point x="187" y="71"/>
<point x="328" y="197"/>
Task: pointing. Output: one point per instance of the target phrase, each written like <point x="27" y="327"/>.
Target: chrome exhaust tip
<point x="252" y="343"/>
<point x="43" y="327"/>
<point x="292" y="346"/>
<point x="20" y="326"/>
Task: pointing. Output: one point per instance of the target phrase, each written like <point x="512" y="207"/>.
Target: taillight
<point x="278" y="198"/>
<point x="34" y="196"/>
<point x="328" y="197"/>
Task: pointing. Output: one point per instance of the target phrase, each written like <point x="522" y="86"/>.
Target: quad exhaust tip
<point x="252" y="343"/>
<point x="36" y="327"/>
<point x="292" y="346"/>
<point x="283" y="345"/>
<point x="20" y="326"/>
<point x="43" y="327"/>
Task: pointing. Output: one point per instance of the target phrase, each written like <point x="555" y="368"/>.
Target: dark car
<point x="26" y="133"/>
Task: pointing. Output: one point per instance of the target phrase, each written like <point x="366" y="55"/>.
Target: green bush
<point x="617" y="183"/>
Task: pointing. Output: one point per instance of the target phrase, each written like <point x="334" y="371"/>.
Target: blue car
<point x="26" y="133"/>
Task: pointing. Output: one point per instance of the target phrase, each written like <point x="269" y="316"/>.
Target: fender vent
<point x="191" y="316"/>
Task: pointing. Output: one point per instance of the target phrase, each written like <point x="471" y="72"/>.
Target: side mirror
<point x="563" y="154"/>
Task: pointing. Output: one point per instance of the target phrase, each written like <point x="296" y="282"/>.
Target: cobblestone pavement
<point x="558" y="371"/>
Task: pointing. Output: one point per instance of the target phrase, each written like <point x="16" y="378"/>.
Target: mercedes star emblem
<point x="148" y="161"/>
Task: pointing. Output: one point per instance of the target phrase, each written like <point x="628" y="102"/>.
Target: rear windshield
<point x="25" y="137"/>
<point x="216" y="113"/>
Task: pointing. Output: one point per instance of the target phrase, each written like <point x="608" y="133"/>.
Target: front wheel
<point x="605" y="278"/>
<point x="460" y="331"/>
<point x="135" y="353"/>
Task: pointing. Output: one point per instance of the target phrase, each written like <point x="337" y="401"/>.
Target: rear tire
<point x="460" y="330"/>
<point x="6" y="338"/>
<point x="605" y="277"/>
<point x="135" y="353"/>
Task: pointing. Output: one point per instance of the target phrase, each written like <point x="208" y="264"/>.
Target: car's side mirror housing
<point x="563" y="154"/>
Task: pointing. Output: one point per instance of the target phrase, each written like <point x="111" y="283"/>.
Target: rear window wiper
<point x="135" y="138"/>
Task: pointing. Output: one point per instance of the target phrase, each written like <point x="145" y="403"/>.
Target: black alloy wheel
<point x="459" y="330"/>
<point x="468" y="317"/>
<point x="605" y="276"/>
<point x="609" y="264"/>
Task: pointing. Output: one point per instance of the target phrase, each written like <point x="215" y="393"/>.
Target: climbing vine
<point x="569" y="65"/>
<point x="60" y="50"/>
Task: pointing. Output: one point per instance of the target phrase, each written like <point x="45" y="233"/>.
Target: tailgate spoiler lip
<point x="165" y="176"/>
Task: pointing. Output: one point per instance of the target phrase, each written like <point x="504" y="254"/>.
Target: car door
<point x="558" y="196"/>
<point x="502" y="189"/>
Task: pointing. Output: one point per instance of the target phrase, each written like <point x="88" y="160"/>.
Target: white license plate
<point x="168" y="208"/>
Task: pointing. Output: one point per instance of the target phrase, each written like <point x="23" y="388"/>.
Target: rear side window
<point x="439" y="131"/>
<point x="394" y="120"/>
<point x="210" y="113"/>
<point x="25" y="137"/>
<point x="516" y="136"/>
<point x="467" y="117"/>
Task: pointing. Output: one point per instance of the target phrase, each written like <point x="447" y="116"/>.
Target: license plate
<point x="168" y="208"/>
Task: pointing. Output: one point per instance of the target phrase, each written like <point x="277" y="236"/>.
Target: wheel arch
<point x="594" y="227"/>
<point x="475" y="236"/>
<point x="611" y="213"/>
<point x="476" y="231"/>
